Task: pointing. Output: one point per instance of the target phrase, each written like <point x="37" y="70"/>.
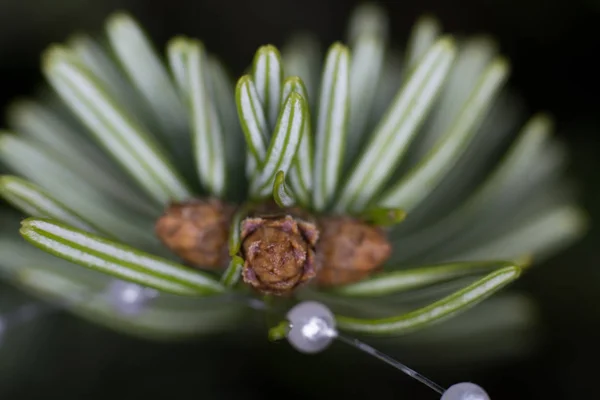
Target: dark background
<point x="554" y="47"/>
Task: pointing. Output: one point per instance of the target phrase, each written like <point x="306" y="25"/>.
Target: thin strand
<point x="394" y="363"/>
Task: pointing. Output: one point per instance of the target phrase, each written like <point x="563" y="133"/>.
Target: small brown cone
<point x="349" y="250"/>
<point x="278" y="252"/>
<point x="197" y="231"/>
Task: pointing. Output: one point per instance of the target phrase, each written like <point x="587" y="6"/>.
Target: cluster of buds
<point x="282" y="248"/>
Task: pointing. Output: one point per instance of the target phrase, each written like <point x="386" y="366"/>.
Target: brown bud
<point x="197" y="231"/>
<point x="349" y="250"/>
<point x="278" y="252"/>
